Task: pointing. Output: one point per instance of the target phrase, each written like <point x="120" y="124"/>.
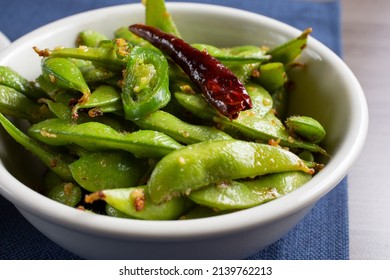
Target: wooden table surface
<point x="366" y="50"/>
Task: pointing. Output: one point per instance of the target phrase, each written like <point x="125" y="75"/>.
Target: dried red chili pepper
<point x="221" y="88"/>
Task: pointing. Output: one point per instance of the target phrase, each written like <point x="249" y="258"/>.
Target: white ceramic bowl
<point x="327" y="91"/>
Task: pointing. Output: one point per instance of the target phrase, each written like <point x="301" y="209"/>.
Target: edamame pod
<point x="199" y="212"/>
<point x="135" y="202"/>
<point x="48" y="88"/>
<point x="60" y="110"/>
<point x="12" y="79"/>
<point x="261" y="99"/>
<point x="198" y="165"/>
<point x="240" y="55"/>
<point x="112" y="212"/>
<point x="96" y="171"/>
<point x="287" y="52"/>
<point x="64" y="112"/>
<point x="272" y="76"/>
<point x="251" y="124"/>
<point x="235" y="195"/>
<point x="157" y="15"/>
<point x="306" y="155"/>
<point x="51" y="159"/>
<point x="90" y="38"/>
<point x="105" y="98"/>
<point x="280" y="101"/>
<point x="16" y="104"/>
<point x="242" y="71"/>
<point x="110" y="53"/>
<point x="96" y="75"/>
<point x="306" y="127"/>
<point x="65" y="74"/>
<point x="66" y="193"/>
<point x="96" y="136"/>
<point x="179" y="130"/>
<point x="125" y="33"/>
<point x="49" y="180"/>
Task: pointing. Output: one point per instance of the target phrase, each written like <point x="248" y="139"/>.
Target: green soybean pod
<point x="49" y="180"/>
<point x="201" y="211"/>
<point x="235" y="195"/>
<point x="64" y="112"/>
<point x="108" y="170"/>
<point x="249" y="51"/>
<point x="58" y="109"/>
<point x="240" y="55"/>
<point x="102" y="96"/>
<point x="51" y="159"/>
<point x="65" y="74"/>
<point x="242" y="71"/>
<point x="112" y="212"/>
<point x="306" y="155"/>
<point x="105" y="98"/>
<point x="180" y="131"/>
<point x="54" y="187"/>
<point x="90" y="38"/>
<point x="157" y="15"/>
<point x="16" y="104"/>
<point x="307" y="127"/>
<point x="135" y="202"/>
<point x="50" y="90"/>
<point x="12" y="79"/>
<point x="198" y="165"/>
<point x="95" y="74"/>
<point x="250" y="123"/>
<point x="130" y="37"/>
<point x="95" y="136"/>
<point x="242" y="61"/>
<point x="280" y="101"/>
<point x="66" y="193"/>
<point x="287" y="52"/>
<point x="111" y="54"/>
<point x="272" y="76"/>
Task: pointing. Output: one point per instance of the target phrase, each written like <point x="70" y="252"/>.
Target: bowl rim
<point x="26" y="199"/>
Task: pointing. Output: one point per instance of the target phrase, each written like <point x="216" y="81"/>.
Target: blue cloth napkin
<point x="322" y="234"/>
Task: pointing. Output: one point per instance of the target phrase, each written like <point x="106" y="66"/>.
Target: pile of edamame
<point x="125" y="132"/>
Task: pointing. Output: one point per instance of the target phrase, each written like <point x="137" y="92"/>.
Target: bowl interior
<point x="325" y="89"/>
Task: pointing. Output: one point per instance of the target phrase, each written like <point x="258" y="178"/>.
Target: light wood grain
<point x="366" y="37"/>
